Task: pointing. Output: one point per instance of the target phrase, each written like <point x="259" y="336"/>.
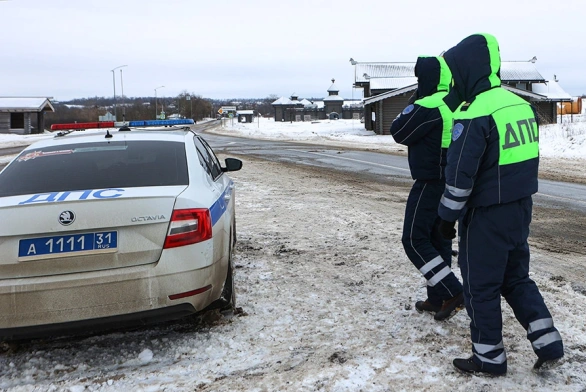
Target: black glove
<point x="447" y="229"/>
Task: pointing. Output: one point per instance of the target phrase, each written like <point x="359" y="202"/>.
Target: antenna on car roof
<point x="108" y="134"/>
<point x="63" y="133"/>
<point x="124" y="128"/>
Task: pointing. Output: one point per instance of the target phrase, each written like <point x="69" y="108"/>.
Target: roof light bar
<point x="111" y="124"/>
<point x="158" y="123"/>
<point x="86" y="125"/>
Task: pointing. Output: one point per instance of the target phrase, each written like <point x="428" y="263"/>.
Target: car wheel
<point x="227" y="300"/>
<point x="234" y="231"/>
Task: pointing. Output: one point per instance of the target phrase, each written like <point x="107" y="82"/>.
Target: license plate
<point x="68" y="245"/>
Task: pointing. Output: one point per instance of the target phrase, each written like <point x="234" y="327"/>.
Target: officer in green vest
<point x="424" y="127"/>
<point x="490" y="176"/>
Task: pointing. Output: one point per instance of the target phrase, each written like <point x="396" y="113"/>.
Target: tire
<point x="234" y="236"/>
<point x="227" y="300"/>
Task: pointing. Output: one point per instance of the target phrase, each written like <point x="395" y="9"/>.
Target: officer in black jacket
<point x="424" y="126"/>
<point x="492" y="173"/>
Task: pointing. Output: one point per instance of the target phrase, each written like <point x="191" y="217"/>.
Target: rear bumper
<point x="35" y="305"/>
<point x="98" y="325"/>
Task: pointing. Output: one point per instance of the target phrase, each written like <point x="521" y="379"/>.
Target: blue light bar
<point x="159" y="123"/>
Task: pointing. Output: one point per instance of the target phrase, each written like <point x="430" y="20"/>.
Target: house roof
<point x="522" y="71"/>
<point x="283" y="101"/>
<point x="333" y="88"/>
<point x="25" y="104"/>
<point x="367" y="71"/>
<point x="406" y="89"/>
<point x="552" y="90"/>
<point x="391" y="83"/>
<point x="389" y="94"/>
<point x="333" y="98"/>
<point x="526" y="93"/>
<point x="353" y="103"/>
<point x="319" y="103"/>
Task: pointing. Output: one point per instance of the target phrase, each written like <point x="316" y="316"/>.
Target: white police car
<point x="107" y="228"/>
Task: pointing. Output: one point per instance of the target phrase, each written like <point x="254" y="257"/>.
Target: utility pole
<point x="114" y="83"/>
<point x="190" y="104"/>
<point x="123" y="105"/>
<point x="156" y="116"/>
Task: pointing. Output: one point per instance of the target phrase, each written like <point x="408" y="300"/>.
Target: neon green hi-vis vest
<point x="437" y="101"/>
<point x="515" y="122"/>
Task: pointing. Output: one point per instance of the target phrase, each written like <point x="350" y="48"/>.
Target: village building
<point x="245" y="115"/>
<point x="332" y="107"/>
<point x="24" y="115"/>
<point x="389" y="86"/>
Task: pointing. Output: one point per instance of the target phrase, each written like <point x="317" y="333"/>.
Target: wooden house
<point x="24" y="115"/>
<point x="389" y="86"/>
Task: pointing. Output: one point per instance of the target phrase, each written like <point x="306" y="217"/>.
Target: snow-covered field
<point x="565" y="140"/>
<point x="327" y="295"/>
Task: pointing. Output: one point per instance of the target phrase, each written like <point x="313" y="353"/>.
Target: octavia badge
<point x="66" y="218"/>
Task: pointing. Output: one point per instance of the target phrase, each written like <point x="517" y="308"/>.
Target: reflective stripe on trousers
<point x="427" y="250"/>
<point x="494" y="259"/>
<point x="481" y="350"/>
<point x="542" y="333"/>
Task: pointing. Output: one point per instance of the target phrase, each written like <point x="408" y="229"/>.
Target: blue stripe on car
<point x="219" y="207"/>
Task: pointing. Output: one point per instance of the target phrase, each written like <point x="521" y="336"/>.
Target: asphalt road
<point x="378" y="166"/>
<point x="559" y="214"/>
<point x="10" y="150"/>
<point x="382" y="167"/>
<point x="559" y="219"/>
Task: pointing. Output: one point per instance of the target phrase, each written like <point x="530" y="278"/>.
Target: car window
<point x="216" y="163"/>
<point x="208" y="160"/>
<point x="82" y="166"/>
<point x="201" y="155"/>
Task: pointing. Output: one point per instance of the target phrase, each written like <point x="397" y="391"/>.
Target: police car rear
<point x="110" y="228"/>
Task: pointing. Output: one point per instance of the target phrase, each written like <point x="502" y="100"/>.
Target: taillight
<point x="189" y="227"/>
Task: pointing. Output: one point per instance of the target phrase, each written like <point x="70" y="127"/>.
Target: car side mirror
<point x="232" y="164"/>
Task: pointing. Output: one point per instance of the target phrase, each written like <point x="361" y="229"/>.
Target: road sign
<point x="220" y="111"/>
<point x="231" y="115"/>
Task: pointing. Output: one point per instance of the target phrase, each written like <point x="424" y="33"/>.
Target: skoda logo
<point x="66" y="218"/>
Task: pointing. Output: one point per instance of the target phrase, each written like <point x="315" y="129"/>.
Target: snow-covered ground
<point x="327" y="295"/>
<point x="566" y="140"/>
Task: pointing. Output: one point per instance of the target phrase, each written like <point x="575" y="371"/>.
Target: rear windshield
<point x="115" y="164"/>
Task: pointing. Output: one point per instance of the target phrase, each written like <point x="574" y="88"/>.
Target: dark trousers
<point x="429" y="252"/>
<point x="494" y="259"/>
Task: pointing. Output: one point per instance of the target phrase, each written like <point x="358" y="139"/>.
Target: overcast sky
<point x="252" y="49"/>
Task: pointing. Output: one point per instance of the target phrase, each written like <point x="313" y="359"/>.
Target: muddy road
<point x="327" y="295"/>
<point x="557" y="239"/>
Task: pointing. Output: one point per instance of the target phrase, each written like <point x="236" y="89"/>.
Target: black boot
<point x="450" y="305"/>
<point x="426" y="306"/>
<point x="547" y="364"/>
<point x="468" y="366"/>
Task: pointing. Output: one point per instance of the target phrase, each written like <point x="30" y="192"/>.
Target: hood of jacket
<point x="433" y="75"/>
<point x="475" y="64"/>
